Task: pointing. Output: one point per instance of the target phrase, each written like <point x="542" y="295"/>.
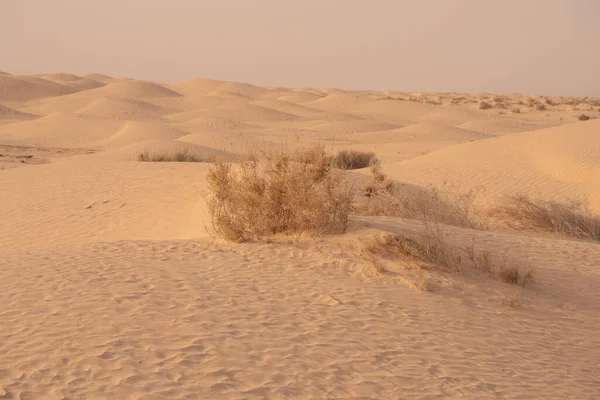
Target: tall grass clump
<point x="353" y="159"/>
<point x="179" y="156"/>
<point x="568" y="219"/>
<point x="278" y="192"/>
<point x="447" y="206"/>
<point x="430" y="249"/>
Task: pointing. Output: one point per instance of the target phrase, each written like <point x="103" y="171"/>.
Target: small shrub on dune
<point x="378" y="184"/>
<point x="568" y="219"/>
<point x="430" y="248"/>
<point x="278" y="193"/>
<point x="180" y="156"/>
<point x="583" y="117"/>
<point x="434" y="206"/>
<point x="484" y="105"/>
<point x="353" y="159"/>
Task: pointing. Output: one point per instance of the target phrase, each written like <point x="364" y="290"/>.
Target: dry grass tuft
<point x="484" y="105"/>
<point x="353" y="159"/>
<point x="421" y="284"/>
<point x="180" y="156"/>
<point x="568" y="219"/>
<point x="583" y="117"/>
<point x="278" y="192"/>
<point x="448" y="206"/>
<point x="379" y="184"/>
<point x="343" y="159"/>
<point x="430" y="250"/>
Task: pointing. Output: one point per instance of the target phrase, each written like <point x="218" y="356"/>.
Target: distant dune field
<point x="112" y="287"/>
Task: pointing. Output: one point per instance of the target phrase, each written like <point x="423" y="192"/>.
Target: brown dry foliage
<point x="484" y="105"/>
<point x="353" y="159"/>
<point x="432" y="205"/>
<point x="180" y="156"/>
<point x="431" y="249"/>
<point x="343" y="159"/>
<point x="568" y="218"/>
<point x="427" y="249"/>
<point x="278" y="192"/>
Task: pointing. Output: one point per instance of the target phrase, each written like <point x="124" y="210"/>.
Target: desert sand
<point x="112" y="288"/>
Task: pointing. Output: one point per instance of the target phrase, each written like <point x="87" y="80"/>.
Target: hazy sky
<point x="532" y="46"/>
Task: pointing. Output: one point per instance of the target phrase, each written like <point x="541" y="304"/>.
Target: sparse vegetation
<point x="379" y="184"/>
<point x="430" y="249"/>
<point x="484" y="105"/>
<point x="432" y="205"/>
<point x="583" y="117"/>
<point x="568" y="219"/>
<point x="353" y="159"/>
<point x="278" y="193"/>
<point x="343" y="159"/>
<point x="180" y="156"/>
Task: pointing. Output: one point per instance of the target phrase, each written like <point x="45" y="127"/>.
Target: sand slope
<point x="111" y="287"/>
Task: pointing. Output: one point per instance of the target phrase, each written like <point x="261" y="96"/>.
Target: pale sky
<point x="500" y="46"/>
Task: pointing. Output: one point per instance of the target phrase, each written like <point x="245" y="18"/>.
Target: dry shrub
<point x="344" y="159"/>
<point x="484" y="105"/>
<point x="482" y="261"/>
<point x="583" y="117"/>
<point x="422" y="284"/>
<point x="516" y="111"/>
<point x="378" y="184"/>
<point x="180" y="156"/>
<point x="447" y="206"/>
<point x="353" y="159"/>
<point x="275" y="193"/>
<point x="568" y="219"/>
<point x="430" y="249"/>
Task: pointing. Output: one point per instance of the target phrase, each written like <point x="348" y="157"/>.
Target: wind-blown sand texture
<point x="111" y="288"/>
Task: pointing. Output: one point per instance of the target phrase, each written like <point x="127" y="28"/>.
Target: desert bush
<point x="583" y="117"/>
<point x="447" y="206"/>
<point x="430" y="249"/>
<point x="568" y="219"/>
<point x="180" y="156"/>
<point x="378" y="184"/>
<point x="484" y="105"/>
<point x="516" y="111"/>
<point x="353" y="159"/>
<point x="278" y="192"/>
<point x="343" y="159"/>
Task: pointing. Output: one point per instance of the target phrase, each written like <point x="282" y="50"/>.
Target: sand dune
<point x="59" y="130"/>
<point x="111" y="286"/>
<point x="196" y="86"/>
<point x="134" y="90"/>
<point x="122" y="109"/>
<point x="9" y="113"/>
<point x="99" y="78"/>
<point x="140" y="131"/>
<point x="157" y="147"/>
<point x="558" y="161"/>
<point x="15" y="88"/>
<point x="238" y="89"/>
